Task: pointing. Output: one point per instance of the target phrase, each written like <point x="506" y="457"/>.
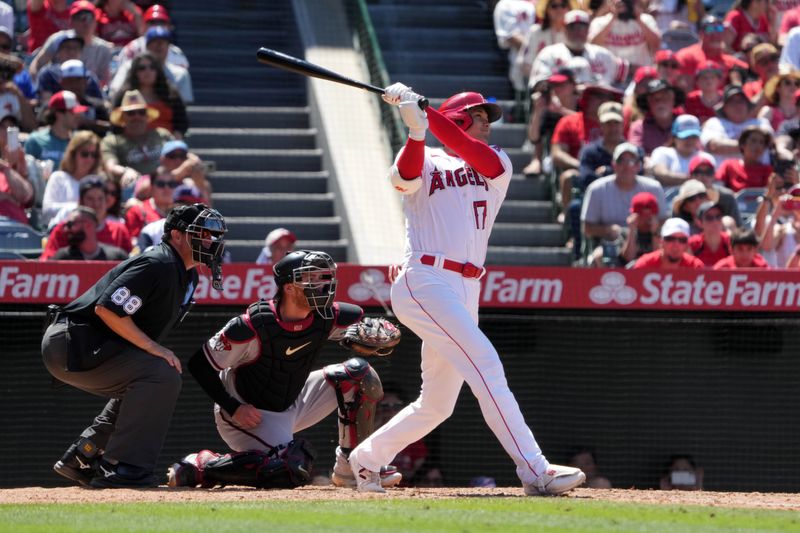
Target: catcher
<point x="258" y="371"/>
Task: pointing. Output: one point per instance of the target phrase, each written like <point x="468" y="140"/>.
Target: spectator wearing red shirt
<point x="672" y="254"/>
<point x="702" y="102"/>
<point x="790" y="19"/>
<point x="744" y="254"/>
<point x="779" y="98"/>
<point x="658" y="104"/>
<point x="747" y="171"/>
<point x="16" y="193"/>
<point x="749" y="16"/>
<point x="93" y="195"/>
<point x="119" y="21"/>
<point x="45" y="17"/>
<point x="764" y="62"/>
<point x="713" y="244"/>
<point x="154" y="208"/>
<point x="711" y="47"/>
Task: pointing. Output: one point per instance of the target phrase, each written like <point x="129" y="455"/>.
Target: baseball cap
<point x="642" y="201"/>
<point x="763" y="50"/>
<point x="662" y="56"/>
<point x="187" y="194"/>
<point x="156" y="12"/>
<point x="675" y="226"/>
<point x="576" y="16"/>
<point x="700" y="160"/>
<point x="66" y="101"/>
<point x="181" y="216"/>
<point x="171" y="146"/>
<point x="92" y="181"/>
<point x="709" y="66"/>
<point x="157" y="32"/>
<point x="278" y="234"/>
<point x="705" y="207"/>
<point x="643" y="73"/>
<point x="609" y="111"/>
<point x="627" y="148"/>
<point x="8" y="32"/>
<point x="562" y="75"/>
<point x="79" y="6"/>
<point x="686" y="126"/>
<point x="67" y="35"/>
<point x="73" y="68"/>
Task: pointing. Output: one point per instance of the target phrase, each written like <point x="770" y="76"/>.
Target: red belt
<point x="468" y="270"/>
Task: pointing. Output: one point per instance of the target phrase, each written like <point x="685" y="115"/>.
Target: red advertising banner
<point x="503" y="287"/>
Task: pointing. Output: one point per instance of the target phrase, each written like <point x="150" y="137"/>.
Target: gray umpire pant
<point x="142" y="388"/>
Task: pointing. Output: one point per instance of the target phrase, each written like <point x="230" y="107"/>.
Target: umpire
<point x="108" y="342"/>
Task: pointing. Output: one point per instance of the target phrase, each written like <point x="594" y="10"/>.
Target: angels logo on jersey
<point x="219" y="343"/>
<point x="459" y="178"/>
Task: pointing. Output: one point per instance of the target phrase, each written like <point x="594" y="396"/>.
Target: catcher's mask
<point x="206" y="230"/>
<point x="315" y="272"/>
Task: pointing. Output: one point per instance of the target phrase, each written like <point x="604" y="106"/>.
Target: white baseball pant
<point x="441" y="307"/>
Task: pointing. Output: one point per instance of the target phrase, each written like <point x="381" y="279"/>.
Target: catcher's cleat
<point x="188" y="472"/>
<point x="343" y="476"/>
<point x="556" y="480"/>
<point x="76" y="464"/>
<point x="122" y="476"/>
<point x="366" y="480"/>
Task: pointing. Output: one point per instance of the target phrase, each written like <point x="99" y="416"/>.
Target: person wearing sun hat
<point x="764" y="63"/>
<point x="673" y="252"/>
<point x="779" y="96"/>
<point x="136" y="149"/>
<point x="658" y="104"/>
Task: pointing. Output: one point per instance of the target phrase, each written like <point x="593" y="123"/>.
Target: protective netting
<point x="635" y="387"/>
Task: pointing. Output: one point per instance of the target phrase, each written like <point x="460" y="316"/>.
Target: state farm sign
<point x="503" y="287"/>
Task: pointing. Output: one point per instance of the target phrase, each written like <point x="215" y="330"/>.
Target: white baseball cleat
<point x="343" y="476"/>
<point x="366" y="480"/>
<point x="556" y="480"/>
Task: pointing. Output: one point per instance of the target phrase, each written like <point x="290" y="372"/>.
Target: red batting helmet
<point x="457" y="106"/>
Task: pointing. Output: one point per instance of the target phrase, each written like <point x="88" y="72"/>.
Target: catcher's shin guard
<point x="356" y="417"/>
<point x="286" y="469"/>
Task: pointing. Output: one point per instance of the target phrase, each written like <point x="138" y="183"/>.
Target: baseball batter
<point x="451" y="199"/>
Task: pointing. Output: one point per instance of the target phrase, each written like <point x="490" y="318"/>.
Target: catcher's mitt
<point x="372" y="336"/>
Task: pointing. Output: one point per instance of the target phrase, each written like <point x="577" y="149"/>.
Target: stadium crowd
<point x="669" y="128"/>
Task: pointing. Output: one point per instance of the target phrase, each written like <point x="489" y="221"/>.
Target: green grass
<point x="450" y="515"/>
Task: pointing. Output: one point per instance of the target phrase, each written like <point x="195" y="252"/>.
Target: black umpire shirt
<point x="153" y="288"/>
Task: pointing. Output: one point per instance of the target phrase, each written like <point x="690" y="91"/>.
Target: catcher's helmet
<point x="315" y="272"/>
<point x="457" y="107"/>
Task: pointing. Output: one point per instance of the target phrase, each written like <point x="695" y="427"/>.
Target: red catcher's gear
<point x="457" y="106"/>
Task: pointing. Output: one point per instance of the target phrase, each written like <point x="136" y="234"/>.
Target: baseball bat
<point x="305" y="68"/>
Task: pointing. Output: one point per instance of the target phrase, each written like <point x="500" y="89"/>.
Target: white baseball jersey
<point x="606" y="66"/>
<point x="453" y="212"/>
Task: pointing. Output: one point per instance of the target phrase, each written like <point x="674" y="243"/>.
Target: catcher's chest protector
<point x="273" y="381"/>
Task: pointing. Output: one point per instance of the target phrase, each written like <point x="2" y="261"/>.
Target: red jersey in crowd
<point x="736" y="176"/>
<point x="695" y="106"/>
<point x="575" y="131"/>
<point x="653" y="260"/>
<point x="118" y="30"/>
<point x="709" y="257"/>
<point x="691" y="57"/>
<point x="758" y="262"/>
<point x="741" y="24"/>
<point x="44" y="23"/>
<point x="138" y="216"/>
<point x="112" y="233"/>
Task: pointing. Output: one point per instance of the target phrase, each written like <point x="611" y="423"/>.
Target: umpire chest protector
<point x="273" y="381"/>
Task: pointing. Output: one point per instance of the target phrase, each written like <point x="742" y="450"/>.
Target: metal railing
<point x="366" y="42"/>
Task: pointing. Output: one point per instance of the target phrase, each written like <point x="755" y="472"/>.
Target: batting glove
<point x="414" y="118"/>
<point x="398" y="92"/>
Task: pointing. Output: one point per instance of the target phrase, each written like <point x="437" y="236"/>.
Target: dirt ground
<point x="36" y="495"/>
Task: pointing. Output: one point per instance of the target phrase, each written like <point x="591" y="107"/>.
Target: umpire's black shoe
<point x="78" y="462"/>
<point x="122" y="476"/>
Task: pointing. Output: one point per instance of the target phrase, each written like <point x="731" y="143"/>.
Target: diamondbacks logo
<point x="612" y="288"/>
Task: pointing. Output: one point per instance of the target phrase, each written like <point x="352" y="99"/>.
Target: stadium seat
<point x="19" y="239"/>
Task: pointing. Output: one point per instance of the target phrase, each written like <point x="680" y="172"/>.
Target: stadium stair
<point x="440" y="47"/>
<point x="253" y="123"/>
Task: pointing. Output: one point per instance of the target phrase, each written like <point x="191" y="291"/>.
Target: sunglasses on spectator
<point x="674" y="238"/>
<point x="626" y="161"/>
<point x="767" y="60"/>
<point x="557" y="6"/>
<point x="83" y="16"/>
<point x="70" y="223"/>
<point x="136" y="113"/>
<point x="166" y="183"/>
<point x="86" y="153"/>
<point x="714" y="28"/>
<point x="704" y="172"/>
<point x="177" y="154"/>
<point x="5" y="46"/>
<point x="712" y="218"/>
<point x="145" y="66"/>
<point x="795" y="83"/>
<point x="670" y="64"/>
<point x="700" y="196"/>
